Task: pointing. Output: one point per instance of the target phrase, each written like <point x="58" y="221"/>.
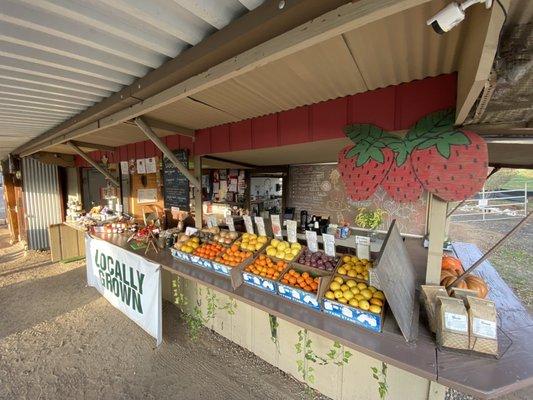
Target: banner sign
<point x="129" y="282"/>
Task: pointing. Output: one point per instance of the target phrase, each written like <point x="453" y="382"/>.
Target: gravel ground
<point x="58" y="340"/>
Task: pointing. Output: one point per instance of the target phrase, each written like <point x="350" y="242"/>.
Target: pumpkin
<point x="450" y="263"/>
<point x="477" y="284"/>
<point x="445" y="272"/>
<point x="447" y="280"/>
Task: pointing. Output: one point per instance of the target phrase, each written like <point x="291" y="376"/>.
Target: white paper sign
<point x="146" y="196"/>
<point x="248" y="224"/>
<point x="329" y="244"/>
<point x="141" y="166"/>
<point x="362" y="240"/>
<point x="291" y="231"/>
<point x="484" y="328"/>
<point x="212" y="221"/>
<point x="230" y="223"/>
<point x="456" y="322"/>
<point x="312" y="241"/>
<point x="129" y="282"/>
<point x="189" y="231"/>
<point x="150" y="165"/>
<point x="276" y="226"/>
<point x="260" y="222"/>
<point x="124" y="168"/>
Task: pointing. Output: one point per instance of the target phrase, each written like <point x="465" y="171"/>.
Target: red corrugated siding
<point x="392" y="108"/>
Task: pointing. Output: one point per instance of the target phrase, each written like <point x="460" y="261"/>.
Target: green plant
<point x="381" y="378"/>
<point x="304" y="346"/>
<point x="274" y="324"/>
<point x="369" y="219"/>
<point x="337" y="356"/>
<point x="193" y="320"/>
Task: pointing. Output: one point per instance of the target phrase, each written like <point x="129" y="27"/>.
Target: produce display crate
<point x="301" y="296"/>
<point x="180" y="255"/>
<point x="260" y="282"/>
<point x="357" y="316"/>
<point x="341" y="263"/>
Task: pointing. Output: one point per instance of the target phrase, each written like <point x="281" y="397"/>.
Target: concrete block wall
<point x="250" y="328"/>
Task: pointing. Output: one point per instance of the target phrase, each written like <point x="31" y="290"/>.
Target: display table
<point x="482" y="377"/>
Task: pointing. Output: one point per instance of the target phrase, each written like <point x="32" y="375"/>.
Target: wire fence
<point x="493" y="205"/>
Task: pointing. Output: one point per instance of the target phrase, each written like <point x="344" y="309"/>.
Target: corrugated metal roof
<point x="58" y="57"/>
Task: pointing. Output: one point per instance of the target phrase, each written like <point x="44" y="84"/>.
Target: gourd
<point x="470" y="282"/>
<point x="450" y="263"/>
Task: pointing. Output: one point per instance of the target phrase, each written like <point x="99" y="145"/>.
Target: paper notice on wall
<point x="141" y="166"/>
<point x="362" y="246"/>
<point x="312" y="241"/>
<point x="248" y="224"/>
<point x="232" y="185"/>
<point x="230" y="223"/>
<point x="291" y="231"/>
<point x="150" y="165"/>
<point x="329" y="244"/>
<point x="223" y="189"/>
<point x="276" y="226"/>
<point x="146" y="196"/>
<point x="260" y="222"/>
<point x="216" y="187"/>
<point x="124" y="168"/>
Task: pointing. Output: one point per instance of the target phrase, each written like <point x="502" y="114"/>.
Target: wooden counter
<point x="479" y="376"/>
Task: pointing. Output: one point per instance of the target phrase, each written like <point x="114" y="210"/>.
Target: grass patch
<point x="519" y="180"/>
<point x="514" y="265"/>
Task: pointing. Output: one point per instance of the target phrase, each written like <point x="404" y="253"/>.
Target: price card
<point x="260" y="222"/>
<point x="312" y="241"/>
<point x="230" y="223"/>
<point x="276" y="226"/>
<point x="212" y="221"/>
<point x="362" y="240"/>
<point x="248" y="224"/>
<point x="329" y="244"/>
<point x="190" y="231"/>
<point x="291" y="231"/>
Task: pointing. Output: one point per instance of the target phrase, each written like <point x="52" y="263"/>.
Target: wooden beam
<point x="477" y="55"/>
<point x="166" y="151"/>
<point x="225" y="160"/>
<point x="165" y="126"/>
<point x="94" y="164"/>
<point x="93" y="146"/>
<point x="253" y="28"/>
<point x="63" y="160"/>
<point x="437" y="233"/>
<point x="348" y="17"/>
<point x="198" y="203"/>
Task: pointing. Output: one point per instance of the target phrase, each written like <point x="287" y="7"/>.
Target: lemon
<point x="288" y="257"/>
<point x="280" y="254"/>
<point x="338" y="279"/>
<point x="351" y="283"/>
<point x="271" y="252"/>
<point x="361" y="286"/>
<point x="342" y="270"/>
<point x="338" y="294"/>
<point x="330" y="295"/>
<point x="372" y="289"/>
<point x="274" y="243"/>
<point x="295" y="251"/>
<point x="345" y="287"/>
<point x="379" y="295"/>
<point x="353" y="303"/>
<point x="296" y="246"/>
<point x="359" y="297"/>
<point x="335" y="286"/>
<point x="355" y="290"/>
<point x="346" y="259"/>
<point x="348" y="295"/>
<point x="343" y="300"/>
<point x="375" y="309"/>
<point x="352" y="273"/>
<point x="354" y="259"/>
<point x="360" y="276"/>
<point x="367" y="294"/>
<point x="376" y="302"/>
<point x="364" y="305"/>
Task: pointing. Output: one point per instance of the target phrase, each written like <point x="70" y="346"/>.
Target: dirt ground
<point x="61" y="340"/>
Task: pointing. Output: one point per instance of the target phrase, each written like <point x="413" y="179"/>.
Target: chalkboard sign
<point x="176" y="185"/>
<point x="397" y="278"/>
<point x="319" y="190"/>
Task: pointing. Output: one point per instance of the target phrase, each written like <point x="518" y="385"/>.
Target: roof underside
<point x="59" y="57"/>
<point x="393" y="50"/>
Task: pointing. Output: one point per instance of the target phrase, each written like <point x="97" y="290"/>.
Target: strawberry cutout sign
<point x="434" y="156"/>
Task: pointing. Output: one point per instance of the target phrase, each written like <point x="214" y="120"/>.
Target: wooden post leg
<point x="198" y="192"/>
<point x="437" y="232"/>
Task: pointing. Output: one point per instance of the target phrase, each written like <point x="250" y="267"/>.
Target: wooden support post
<point x="437" y="232"/>
<point x="166" y="151"/>
<point x="94" y="164"/>
<point x="198" y="192"/>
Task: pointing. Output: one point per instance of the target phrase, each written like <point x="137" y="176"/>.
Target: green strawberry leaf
<point x="377" y="155"/>
<point x="458" y="138"/>
<point x="401" y="157"/>
<point x="444" y="149"/>
<point x="362" y="159"/>
<point x="440" y="121"/>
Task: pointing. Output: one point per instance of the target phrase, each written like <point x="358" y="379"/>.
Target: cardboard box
<point x="301" y="296"/>
<point x="355" y="315"/>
